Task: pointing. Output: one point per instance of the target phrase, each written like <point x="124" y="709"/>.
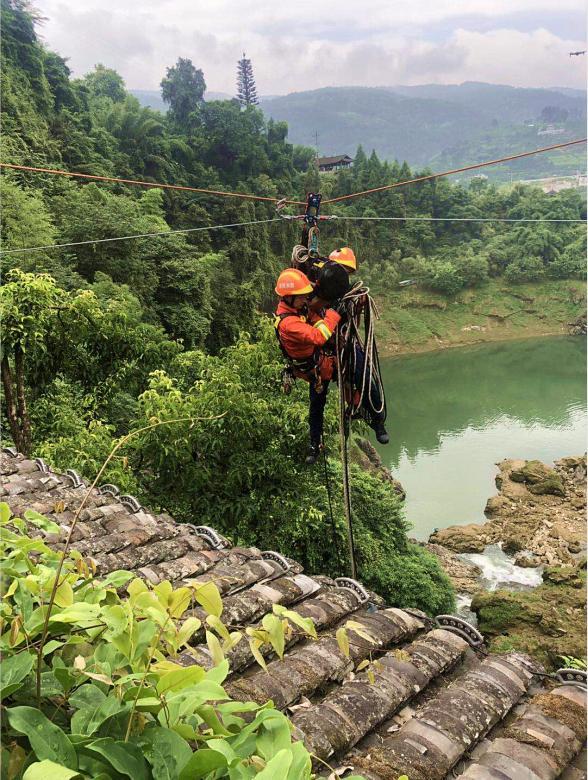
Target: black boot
<point x="313" y="454"/>
<point x="381" y="432"/>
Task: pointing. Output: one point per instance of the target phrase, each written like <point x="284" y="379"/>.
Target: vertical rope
<point x="333" y="526"/>
<point x="345" y="464"/>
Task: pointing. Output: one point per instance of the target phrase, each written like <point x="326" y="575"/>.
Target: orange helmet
<point x="344" y="256"/>
<point x="293" y="282"/>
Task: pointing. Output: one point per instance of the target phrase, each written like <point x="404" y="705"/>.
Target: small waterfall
<point x="498" y="570"/>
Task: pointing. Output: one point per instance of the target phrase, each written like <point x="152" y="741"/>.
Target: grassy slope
<point x="415" y="320"/>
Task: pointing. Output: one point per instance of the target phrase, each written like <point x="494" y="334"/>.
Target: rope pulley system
<point x="361" y="390"/>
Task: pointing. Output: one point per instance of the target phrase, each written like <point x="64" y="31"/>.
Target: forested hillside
<point x="441" y="125"/>
<point x="101" y="339"/>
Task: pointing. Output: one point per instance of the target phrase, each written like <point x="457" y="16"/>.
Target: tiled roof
<point x="431" y="707"/>
<point x="334" y="160"/>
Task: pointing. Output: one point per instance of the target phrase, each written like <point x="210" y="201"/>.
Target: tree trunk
<point x="22" y="410"/>
<point x="11" y="411"/>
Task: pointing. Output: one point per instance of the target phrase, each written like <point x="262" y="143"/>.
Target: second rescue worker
<point x="302" y="333"/>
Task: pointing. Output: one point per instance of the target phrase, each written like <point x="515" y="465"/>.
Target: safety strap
<point x="302" y="364"/>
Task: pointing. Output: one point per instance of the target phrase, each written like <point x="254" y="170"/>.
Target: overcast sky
<point x="305" y="45"/>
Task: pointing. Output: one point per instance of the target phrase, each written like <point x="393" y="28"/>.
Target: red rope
<point x="146" y="183"/>
<point x="455" y="170"/>
<point x="246" y="196"/>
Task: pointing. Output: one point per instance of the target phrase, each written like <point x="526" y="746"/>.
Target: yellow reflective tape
<point x="320" y="325"/>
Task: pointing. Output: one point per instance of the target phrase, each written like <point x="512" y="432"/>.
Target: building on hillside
<point x="334" y="163"/>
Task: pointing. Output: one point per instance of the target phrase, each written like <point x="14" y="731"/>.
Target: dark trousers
<point x="316" y="411"/>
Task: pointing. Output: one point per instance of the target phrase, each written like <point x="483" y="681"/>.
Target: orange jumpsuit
<point x="301" y="335"/>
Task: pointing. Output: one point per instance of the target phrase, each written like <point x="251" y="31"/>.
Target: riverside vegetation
<point x="101" y="339"/>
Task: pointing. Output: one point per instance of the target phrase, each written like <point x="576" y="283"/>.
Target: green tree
<point x="183" y="88"/>
<point x="105" y="82"/>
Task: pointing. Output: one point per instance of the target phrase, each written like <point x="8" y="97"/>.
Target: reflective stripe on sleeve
<point x="322" y="327"/>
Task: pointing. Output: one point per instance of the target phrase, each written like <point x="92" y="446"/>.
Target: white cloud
<point x="308" y="44"/>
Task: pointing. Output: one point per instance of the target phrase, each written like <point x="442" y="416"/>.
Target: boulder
<point x="470" y="538"/>
<point x="532" y="472"/>
<point x="494" y="505"/>
<point x="552" y="486"/>
<point x="560" y="574"/>
<point x="526" y="560"/>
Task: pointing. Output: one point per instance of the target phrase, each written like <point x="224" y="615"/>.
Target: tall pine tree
<point x="246" y="89"/>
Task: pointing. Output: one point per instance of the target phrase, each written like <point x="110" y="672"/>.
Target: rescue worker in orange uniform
<point x="332" y="282"/>
<point x="302" y="334"/>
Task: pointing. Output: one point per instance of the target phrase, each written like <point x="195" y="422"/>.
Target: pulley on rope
<point x="351" y="350"/>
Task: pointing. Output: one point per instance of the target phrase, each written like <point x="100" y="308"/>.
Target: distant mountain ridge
<point x="432" y="124"/>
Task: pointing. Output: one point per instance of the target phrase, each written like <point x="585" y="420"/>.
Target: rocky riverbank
<point x="538" y="514"/>
<point x="538" y="518"/>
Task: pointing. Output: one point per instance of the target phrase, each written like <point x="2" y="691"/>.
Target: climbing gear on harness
<point x="288" y="380"/>
<point x="292" y="282"/>
<point x="344" y="256"/>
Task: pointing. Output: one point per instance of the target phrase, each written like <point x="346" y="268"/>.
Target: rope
<point x="343" y="434"/>
<point x="328" y="487"/>
<point x="455" y="170"/>
<point x="282" y="201"/>
<point x="457" y="219"/>
<point x="158" y="185"/>
<point x="161" y="234"/>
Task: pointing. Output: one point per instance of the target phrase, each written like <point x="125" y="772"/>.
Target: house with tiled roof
<point x="335" y="163"/>
<point x="434" y="705"/>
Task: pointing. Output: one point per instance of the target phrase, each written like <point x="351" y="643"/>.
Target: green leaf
<point x="47" y="739"/>
<point x="254" y="645"/>
<point x="208" y="596"/>
<point x="218" y="625"/>
<point x="187" y="630"/>
<point x="88" y="720"/>
<point x="279" y="766"/>
<point x="125" y="757"/>
<point x="273" y="626"/>
<point x="116" y="619"/>
<point x="216" y="650"/>
<point x="301" y="762"/>
<point x="218" y="673"/>
<point x="77" y="613"/>
<point x="179" y="602"/>
<point x="179" y="678"/>
<point x="306" y="624"/>
<point x="208" y="714"/>
<point x="118" y="578"/>
<point x="5" y="513"/>
<point x="41" y="521"/>
<point x="13" y="671"/>
<point x="202" y="763"/>
<point x="274" y="736"/>
<point x="343" y="641"/>
<point x="166" y="751"/>
<point x="48" y="770"/>
<point x="88" y="695"/>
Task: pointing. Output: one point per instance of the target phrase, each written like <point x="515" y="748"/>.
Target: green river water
<point x="453" y="414"/>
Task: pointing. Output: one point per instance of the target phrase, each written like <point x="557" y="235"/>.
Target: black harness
<point x="305" y="365"/>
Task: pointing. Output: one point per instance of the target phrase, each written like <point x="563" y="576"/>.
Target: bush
<point x="98" y="692"/>
<point x="444" y="277"/>
<point x="525" y="269"/>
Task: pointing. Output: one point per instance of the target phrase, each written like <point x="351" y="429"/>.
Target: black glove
<point x="340" y="307"/>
